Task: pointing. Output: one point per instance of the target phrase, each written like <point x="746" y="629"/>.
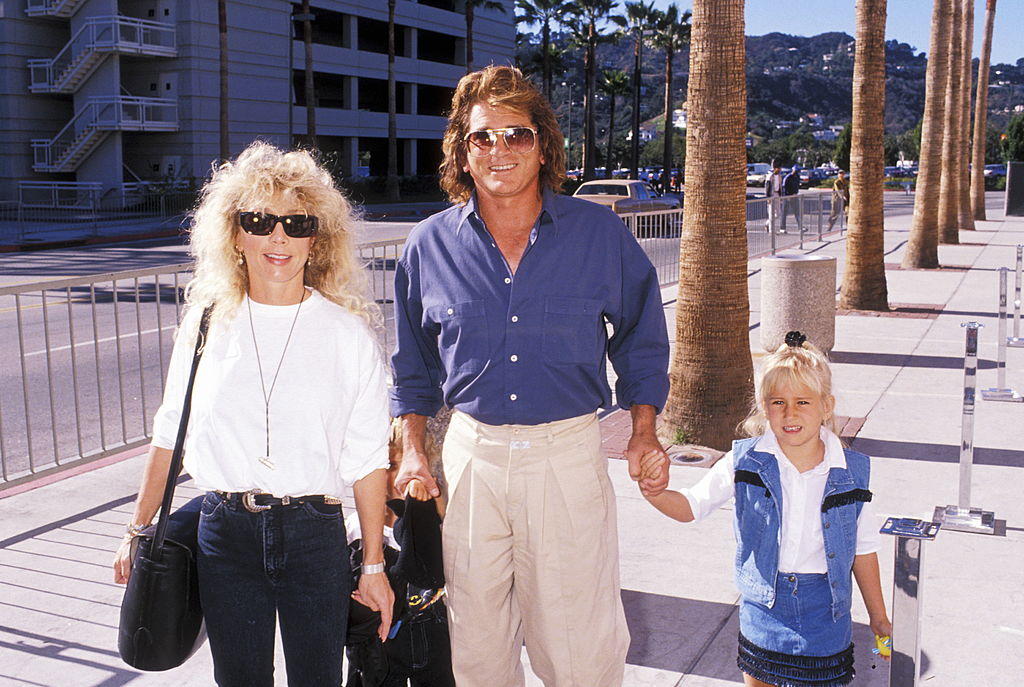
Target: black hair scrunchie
<point x="795" y="339"/>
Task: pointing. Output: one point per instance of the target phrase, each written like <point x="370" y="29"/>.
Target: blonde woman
<point x="289" y="407"/>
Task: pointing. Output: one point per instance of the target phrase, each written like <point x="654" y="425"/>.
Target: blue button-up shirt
<point x="527" y="348"/>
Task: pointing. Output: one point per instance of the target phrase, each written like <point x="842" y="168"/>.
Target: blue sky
<point x="909" y="21"/>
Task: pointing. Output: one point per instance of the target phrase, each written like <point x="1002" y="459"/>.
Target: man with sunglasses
<point x="502" y="304"/>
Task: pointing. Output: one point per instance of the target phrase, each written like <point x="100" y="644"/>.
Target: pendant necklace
<point x="265" y="458"/>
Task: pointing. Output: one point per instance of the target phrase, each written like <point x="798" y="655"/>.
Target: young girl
<point x="803" y="522"/>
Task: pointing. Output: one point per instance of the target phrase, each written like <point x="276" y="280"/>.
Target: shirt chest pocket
<point x="573" y="330"/>
<point x="462" y="339"/>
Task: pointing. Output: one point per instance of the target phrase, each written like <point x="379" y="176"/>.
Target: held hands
<point x="375" y="592"/>
<point x="415" y="468"/>
<point x="648" y="463"/>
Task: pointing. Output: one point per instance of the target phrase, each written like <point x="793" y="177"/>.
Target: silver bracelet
<point x="373" y="569"/>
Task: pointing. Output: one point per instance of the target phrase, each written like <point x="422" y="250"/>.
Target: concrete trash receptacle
<point x="798" y="292"/>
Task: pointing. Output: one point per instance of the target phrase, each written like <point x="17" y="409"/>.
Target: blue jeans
<point x="290" y="562"/>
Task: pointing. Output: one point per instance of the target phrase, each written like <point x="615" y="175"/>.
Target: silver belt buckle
<point x="249" y="501"/>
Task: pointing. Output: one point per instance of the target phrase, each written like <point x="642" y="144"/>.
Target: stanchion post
<point x="1015" y="341"/>
<point x="963" y="517"/>
<point x="910" y="534"/>
<point x="1001" y="392"/>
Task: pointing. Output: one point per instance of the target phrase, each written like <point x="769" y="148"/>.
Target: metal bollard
<point x="905" y="666"/>
<point x="1015" y="341"/>
<point x="1001" y="392"/>
<point x="963" y="517"/>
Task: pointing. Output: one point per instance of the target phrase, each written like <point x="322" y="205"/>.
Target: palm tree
<point x="307" y="39"/>
<point x="981" y="116"/>
<point x="588" y="14"/>
<point x="949" y="188"/>
<point x="712" y="373"/>
<point x="222" y="27"/>
<point x="615" y="82"/>
<point x="864" y="286"/>
<point x="923" y="245"/>
<point x="471" y="7"/>
<point x="542" y="12"/>
<point x="636" y="21"/>
<point x="965" y="218"/>
<point x="392" y="175"/>
<point x="672" y="33"/>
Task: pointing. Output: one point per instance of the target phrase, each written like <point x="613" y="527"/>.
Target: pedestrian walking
<point x="773" y="190"/>
<point x="790" y="202"/>
<point x="289" y="409"/>
<point x="804" y="525"/>
<point x="840" y="199"/>
<point x="491" y="323"/>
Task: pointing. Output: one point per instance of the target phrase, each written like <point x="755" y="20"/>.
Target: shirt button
<point x="451" y="311"/>
<point x="827" y="525"/>
<point x="508" y="280"/>
<point x="792" y="578"/>
<point x="514" y="358"/>
<point x="512" y="397"/>
<point x="832" y="554"/>
<point x="515" y="318"/>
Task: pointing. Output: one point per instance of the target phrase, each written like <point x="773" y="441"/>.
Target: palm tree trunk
<point x="545" y="45"/>
<point x="949" y="188"/>
<point x="666" y="155"/>
<point x="611" y="136"/>
<point x="307" y="39"/>
<point x="712" y="372"/>
<point x="922" y="247"/>
<point x="469" y="36"/>
<point x="981" y="116"/>
<point x="637" y="60"/>
<point x="864" y="286"/>
<point x="590" y="65"/>
<point x="965" y="218"/>
<point x="222" y="27"/>
<point x="392" y="176"/>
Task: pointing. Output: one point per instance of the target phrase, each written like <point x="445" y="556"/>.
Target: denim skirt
<point x="796" y="642"/>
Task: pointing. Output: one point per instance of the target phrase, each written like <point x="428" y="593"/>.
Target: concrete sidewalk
<point x="902" y="374"/>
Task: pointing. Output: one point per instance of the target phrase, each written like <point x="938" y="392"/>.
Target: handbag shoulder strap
<point x="179" y="442"/>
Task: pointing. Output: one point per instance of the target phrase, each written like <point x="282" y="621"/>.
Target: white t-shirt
<point x="328" y="410"/>
<point x="802" y="544"/>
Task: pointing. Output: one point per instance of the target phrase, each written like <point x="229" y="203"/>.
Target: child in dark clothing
<point x="417" y="652"/>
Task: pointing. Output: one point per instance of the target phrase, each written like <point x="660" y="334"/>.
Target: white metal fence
<point x="87" y="355"/>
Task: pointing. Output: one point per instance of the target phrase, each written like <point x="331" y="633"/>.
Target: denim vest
<point x="759" y="515"/>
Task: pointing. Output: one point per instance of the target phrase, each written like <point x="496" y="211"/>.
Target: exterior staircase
<point x="94" y="122"/>
<point x="97" y="38"/>
<point x="53" y="8"/>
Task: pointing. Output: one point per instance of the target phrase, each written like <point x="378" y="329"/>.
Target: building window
<point x="329" y="28"/>
<point x="373" y="96"/>
<point x="433" y="100"/>
<point x="441" y="47"/>
<point x="329" y="89"/>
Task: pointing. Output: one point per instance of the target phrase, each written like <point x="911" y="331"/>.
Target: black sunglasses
<point x="262" y="224"/>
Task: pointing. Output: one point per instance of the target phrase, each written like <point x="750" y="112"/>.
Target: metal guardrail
<point x="92" y="352"/>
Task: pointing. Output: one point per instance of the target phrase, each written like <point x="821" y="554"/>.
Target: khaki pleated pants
<point x="531" y="555"/>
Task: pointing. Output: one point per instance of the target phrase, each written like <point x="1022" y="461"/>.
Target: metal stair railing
<point x="52" y="8"/>
<point x="97" y="37"/>
<point x="102" y="114"/>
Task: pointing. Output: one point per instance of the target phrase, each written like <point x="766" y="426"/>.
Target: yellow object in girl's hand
<point x="883" y="645"/>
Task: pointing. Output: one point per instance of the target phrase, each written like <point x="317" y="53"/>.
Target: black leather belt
<point x="257" y="501"/>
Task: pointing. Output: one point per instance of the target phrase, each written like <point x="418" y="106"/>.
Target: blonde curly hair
<point x="259" y="173"/>
<point x="804" y="365"/>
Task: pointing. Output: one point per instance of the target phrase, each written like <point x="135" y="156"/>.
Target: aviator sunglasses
<point x="262" y="224"/>
<point x="518" y="139"/>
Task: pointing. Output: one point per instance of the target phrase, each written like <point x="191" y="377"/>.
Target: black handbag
<point x="161" y="618"/>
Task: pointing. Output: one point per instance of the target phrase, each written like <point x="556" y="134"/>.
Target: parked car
<point x="625" y="195"/>
<point x="757" y="173"/>
<point x="998" y="170"/>
<point x="811" y="177"/>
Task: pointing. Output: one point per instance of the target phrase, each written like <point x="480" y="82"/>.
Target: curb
<point x="88" y="241"/>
